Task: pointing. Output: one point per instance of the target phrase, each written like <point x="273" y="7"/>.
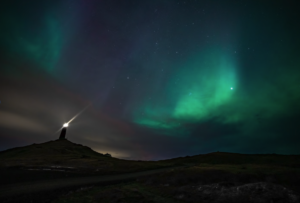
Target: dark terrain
<point x="61" y="171"/>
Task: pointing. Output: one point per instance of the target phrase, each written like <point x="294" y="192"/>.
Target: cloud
<point x="13" y="120"/>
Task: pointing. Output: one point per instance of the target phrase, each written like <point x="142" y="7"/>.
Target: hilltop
<point x="58" y="152"/>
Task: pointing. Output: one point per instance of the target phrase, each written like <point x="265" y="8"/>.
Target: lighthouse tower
<point x="63" y="131"/>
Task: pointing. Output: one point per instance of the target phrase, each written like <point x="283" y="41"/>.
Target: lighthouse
<point x="63" y="131"/>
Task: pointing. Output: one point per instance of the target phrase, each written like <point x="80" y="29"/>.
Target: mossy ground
<point x="263" y="183"/>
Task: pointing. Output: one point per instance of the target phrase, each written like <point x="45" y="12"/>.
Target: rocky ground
<point x="260" y="192"/>
<point x="194" y="185"/>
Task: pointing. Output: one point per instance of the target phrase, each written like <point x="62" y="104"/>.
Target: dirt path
<point x="50" y="185"/>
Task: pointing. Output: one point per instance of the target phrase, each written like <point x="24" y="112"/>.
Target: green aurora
<point x="39" y="43"/>
<point x="208" y="87"/>
<point x="196" y="77"/>
<point x="195" y="92"/>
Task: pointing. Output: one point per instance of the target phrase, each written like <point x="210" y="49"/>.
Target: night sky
<point x="152" y="79"/>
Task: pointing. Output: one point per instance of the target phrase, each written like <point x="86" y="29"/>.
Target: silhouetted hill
<point x="55" y="148"/>
<point x="60" y="154"/>
<point x="65" y="155"/>
<point x="49" y="153"/>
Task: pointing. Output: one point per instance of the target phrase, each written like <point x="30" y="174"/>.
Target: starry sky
<point x="151" y="80"/>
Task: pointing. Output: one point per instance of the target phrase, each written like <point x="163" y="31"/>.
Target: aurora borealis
<point x="161" y="78"/>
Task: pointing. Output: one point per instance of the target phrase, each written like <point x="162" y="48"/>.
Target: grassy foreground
<point x="201" y="183"/>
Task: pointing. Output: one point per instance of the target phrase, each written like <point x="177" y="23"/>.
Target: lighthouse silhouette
<point x="63" y="131"/>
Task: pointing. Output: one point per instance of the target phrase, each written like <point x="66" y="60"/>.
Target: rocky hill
<point x="65" y="155"/>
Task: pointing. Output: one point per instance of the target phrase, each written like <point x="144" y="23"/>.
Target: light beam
<point x="67" y="124"/>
